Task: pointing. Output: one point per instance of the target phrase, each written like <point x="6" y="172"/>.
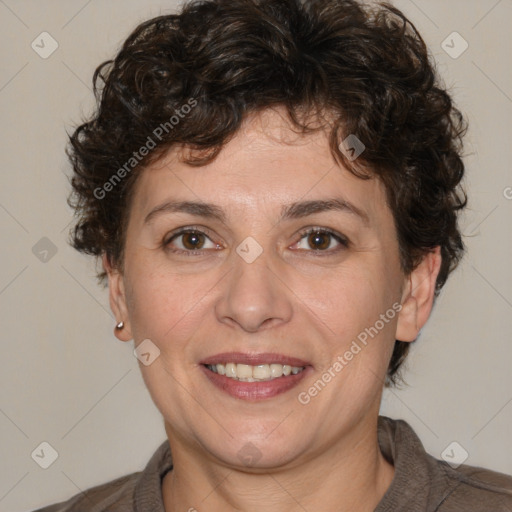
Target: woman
<point x="273" y="189"/>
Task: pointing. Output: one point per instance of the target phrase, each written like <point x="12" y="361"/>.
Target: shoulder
<point x="113" y="496"/>
<point x="424" y="483"/>
<point x="475" y="488"/>
<point x="137" y="491"/>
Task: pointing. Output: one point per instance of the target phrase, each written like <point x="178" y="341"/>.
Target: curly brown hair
<point x="367" y="66"/>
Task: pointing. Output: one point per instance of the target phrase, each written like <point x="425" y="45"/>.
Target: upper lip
<point x="253" y="359"/>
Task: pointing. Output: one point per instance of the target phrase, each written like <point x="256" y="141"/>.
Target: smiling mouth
<point x="250" y="373"/>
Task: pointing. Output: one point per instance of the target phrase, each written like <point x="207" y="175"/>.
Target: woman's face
<point x="246" y="278"/>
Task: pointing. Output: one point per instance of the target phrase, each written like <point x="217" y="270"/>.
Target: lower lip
<point x="255" y="390"/>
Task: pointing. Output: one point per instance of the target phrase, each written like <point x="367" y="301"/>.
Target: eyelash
<point x="344" y="242"/>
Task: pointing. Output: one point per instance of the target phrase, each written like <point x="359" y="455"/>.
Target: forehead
<point x="266" y="165"/>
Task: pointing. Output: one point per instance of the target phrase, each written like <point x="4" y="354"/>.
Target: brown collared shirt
<point x="421" y="483"/>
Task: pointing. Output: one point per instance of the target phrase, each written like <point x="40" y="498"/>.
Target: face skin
<point x="291" y="300"/>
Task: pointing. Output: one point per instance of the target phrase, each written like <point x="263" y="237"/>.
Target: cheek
<point x="164" y="304"/>
<point x="357" y="320"/>
<point x="349" y="300"/>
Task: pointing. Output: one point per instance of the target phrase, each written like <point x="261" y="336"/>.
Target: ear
<point x="117" y="300"/>
<point x="418" y="296"/>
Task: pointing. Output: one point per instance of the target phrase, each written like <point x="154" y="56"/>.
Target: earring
<point x="120" y="326"/>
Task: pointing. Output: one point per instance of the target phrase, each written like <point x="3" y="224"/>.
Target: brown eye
<point x="319" y="240"/>
<point x="192" y="240"/>
<point x="189" y="240"/>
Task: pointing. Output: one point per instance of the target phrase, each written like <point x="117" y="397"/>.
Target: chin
<point x="256" y="450"/>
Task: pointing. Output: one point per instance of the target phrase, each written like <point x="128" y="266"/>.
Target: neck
<point x="350" y="475"/>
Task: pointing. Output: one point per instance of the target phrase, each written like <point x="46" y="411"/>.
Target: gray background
<point x="66" y="380"/>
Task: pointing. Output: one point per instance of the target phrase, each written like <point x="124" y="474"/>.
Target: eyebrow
<point x="295" y="210"/>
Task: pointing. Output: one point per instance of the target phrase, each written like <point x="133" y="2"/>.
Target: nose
<point x="254" y="296"/>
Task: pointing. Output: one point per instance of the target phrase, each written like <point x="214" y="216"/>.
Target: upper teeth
<point x="249" y="373"/>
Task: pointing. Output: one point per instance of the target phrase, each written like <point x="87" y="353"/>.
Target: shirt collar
<point x="416" y="482"/>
